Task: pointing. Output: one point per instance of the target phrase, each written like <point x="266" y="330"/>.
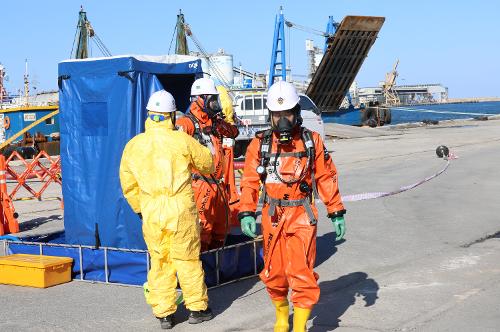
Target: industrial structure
<point x="4" y="97"/>
<point x="407" y="94"/>
<point x="314" y="56"/>
<point x="390" y="96"/>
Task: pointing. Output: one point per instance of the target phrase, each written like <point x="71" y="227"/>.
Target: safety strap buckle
<point x="305" y="202"/>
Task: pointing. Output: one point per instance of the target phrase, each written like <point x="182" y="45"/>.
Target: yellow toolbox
<point x="35" y="270"/>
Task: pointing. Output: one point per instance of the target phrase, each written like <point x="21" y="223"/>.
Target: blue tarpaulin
<point x="102" y="106"/>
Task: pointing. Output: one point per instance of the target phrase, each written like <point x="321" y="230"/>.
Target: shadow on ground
<point x="35" y="223"/>
<point x="223" y="296"/>
<point x="338" y="295"/>
<point x="220" y="299"/>
<point x="326" y="247"/>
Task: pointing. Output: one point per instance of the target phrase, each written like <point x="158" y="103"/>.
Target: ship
<point x="29" y="123"/>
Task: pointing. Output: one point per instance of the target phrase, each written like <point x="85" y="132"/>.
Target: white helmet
<point x="282" y="96"/>
<point x="203" y="86"/>
<point x="161" y="102"/>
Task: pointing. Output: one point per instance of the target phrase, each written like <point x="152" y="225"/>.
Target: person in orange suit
<point x="228" y="146"/>
<point x="204" y="122"/>
<point x="294" y="166"/>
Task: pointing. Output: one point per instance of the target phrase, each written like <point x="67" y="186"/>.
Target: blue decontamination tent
<point x="102" y="106"/>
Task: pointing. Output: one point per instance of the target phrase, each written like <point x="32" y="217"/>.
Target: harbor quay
<point x="424" y="259"/>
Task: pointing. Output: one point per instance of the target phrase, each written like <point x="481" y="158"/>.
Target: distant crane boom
<point x="390" y="95"/>
<point x="216" y="70"/>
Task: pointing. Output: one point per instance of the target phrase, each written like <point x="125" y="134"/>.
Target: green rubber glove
<point x="248" y="226"/>
<point x="339" y="224"/>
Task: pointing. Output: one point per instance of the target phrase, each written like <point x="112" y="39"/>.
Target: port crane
<point x="278" y="67"/>
<point x="390" y="95"/>
<point x="346" y="46"/>
<point x="85" y="33"/>
<point x="182" y="30"/>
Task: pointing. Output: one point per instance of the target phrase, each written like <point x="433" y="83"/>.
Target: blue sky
<point x="456" y="43"/>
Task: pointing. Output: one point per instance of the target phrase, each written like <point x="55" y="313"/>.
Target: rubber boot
<point x="300" y="317"/>
<point x="168" y="322"/>
<point x="282" y="311"/>
<point x="197" y="317"/>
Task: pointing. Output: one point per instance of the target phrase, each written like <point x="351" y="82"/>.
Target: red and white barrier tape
<point x="372" y="195"/>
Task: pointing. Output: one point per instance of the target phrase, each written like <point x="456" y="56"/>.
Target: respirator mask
<point x="284" y="127"/>
<point x="211" y="105"/>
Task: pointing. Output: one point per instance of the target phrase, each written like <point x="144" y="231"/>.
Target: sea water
<point x="419" y="113"/>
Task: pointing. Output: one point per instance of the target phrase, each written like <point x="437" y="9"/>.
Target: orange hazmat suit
<point x="290" y="230"/>
<point x="210" y="196"/>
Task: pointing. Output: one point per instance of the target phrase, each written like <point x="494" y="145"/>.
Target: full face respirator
<point x="211" y="105"/>
<point x="284" y="127"/>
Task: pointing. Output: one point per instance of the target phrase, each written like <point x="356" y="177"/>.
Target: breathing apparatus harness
<point x="197" y="134"/>
<point x="265" y="156"/>
<point x="212" y="114"/>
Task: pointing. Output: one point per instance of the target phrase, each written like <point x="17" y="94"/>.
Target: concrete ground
<point x="427" y="259"/>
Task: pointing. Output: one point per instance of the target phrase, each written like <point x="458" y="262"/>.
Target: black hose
<point x="293" y="181"/>
<point x="226" y="205"/>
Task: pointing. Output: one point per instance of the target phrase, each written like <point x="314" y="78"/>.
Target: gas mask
<point x="284" y="127"/>
<point x="211" y="105"/>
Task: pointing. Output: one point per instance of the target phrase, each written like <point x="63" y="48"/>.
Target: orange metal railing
<point x="45" y="171"/>
<point x="34" y="169"/>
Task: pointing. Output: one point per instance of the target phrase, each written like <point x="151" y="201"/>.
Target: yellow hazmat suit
<point x="226" y="104"/>
<point x="155" y="174"/>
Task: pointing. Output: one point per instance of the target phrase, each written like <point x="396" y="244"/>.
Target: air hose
<point x="442" y="151"/>
<point x="226" y="205"/>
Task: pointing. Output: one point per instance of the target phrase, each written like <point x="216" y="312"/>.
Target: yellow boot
<point x="300" y="316"/>
<point x="282" y="310"/>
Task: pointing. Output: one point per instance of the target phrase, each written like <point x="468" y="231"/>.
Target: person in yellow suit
<point x="155" y="175"/>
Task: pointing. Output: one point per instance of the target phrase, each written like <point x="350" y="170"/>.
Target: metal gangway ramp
<point x="343" y="58"/>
